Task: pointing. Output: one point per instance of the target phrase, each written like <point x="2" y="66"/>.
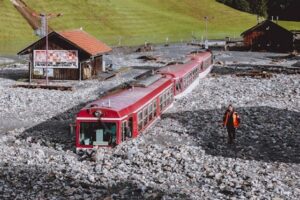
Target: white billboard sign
<point x="56" y="59"/>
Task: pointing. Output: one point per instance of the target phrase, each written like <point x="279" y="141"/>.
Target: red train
<point x="125" y="113"/>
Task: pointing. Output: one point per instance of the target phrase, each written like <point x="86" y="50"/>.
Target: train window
<point x="165" y="99"/>
<point x="150" y="112"/>
<point x="160" y="103"/>
<point x="145" y="117"/>
<point x="154" y="108"/>
<point x="140" y="116"/>
<point x="170" y="96"/>
<point x="124" y="125"/>
<point x="97" y="133"/>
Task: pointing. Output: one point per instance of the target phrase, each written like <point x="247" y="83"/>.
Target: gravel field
<point x="185" y="155"/>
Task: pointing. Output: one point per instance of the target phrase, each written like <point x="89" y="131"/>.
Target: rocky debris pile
<point x="38" y="171"/>
<point x="184" y="156"/>
<point x="126" y="57"/>
<point x="255" y="58"/>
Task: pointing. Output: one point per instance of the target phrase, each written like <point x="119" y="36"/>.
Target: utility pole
<point x="44" y="32"/>
<point x="206" y="18"/>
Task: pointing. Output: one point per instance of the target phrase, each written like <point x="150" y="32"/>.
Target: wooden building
<point x="296" y="34"/>
<point x="268" y="36"/>
<point x="78" y="45"/>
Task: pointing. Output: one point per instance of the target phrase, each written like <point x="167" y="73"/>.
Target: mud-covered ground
<point x="185" y="155"/>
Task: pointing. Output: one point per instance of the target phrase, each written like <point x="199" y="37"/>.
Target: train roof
<point x="180" y="70"/>
<point x="129" y="100"/>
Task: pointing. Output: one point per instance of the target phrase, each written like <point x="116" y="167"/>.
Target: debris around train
<point x="106" y="75"/>
<point x="256" y="74"/>
<point x="48" y="87"/>
<point x="145" y="48"/>
<point x="148" y="58"/>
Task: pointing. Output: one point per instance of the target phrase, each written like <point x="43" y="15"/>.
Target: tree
<point x="284" y="9"/>
<point x="261" y="8"/>
<point x="242" y="5"/>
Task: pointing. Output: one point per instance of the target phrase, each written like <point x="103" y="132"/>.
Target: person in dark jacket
<point x="232" y="121"/>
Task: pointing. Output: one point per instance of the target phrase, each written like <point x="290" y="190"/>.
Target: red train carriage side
<point x="186" y="76"/>
<point x="124" y="114"/>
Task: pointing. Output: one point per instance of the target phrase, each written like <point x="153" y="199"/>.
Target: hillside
<point x="131" y="21"/>
<point x="14" y="30"/>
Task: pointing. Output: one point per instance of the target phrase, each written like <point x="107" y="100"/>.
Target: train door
<point x="127" y="129"/>
<point x="177" y="87"/>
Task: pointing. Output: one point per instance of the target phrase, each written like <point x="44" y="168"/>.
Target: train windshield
<point x="97" y="133"/>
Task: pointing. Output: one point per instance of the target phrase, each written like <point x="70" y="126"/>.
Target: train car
<point x="186" y="77"/>
<point x="123" y="114"/>
<point x="127" y="112"/>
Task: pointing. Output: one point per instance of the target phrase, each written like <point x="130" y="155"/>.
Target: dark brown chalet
<point x="268" y="36"/>
<point x="90" y="54"/>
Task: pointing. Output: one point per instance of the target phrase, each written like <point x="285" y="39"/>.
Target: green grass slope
<point x="131" y="21"/>
<point x="15" y="33"/>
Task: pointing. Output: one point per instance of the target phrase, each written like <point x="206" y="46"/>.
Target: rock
<point x="218" y="176"/>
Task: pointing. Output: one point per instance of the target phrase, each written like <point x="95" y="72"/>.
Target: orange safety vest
<point x="235" y="116"/>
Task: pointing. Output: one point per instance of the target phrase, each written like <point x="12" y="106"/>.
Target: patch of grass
<point x="133" y="22"/>
<point x="15" y="33"/>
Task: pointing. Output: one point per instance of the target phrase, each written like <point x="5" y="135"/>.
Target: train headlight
<point x="98" y="113"/>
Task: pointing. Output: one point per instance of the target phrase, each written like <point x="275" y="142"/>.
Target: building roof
<point x="85" y="41"/>
<point x="77" y="38"/>
<point x="262" y="25"/>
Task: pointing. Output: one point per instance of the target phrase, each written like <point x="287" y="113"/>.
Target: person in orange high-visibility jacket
<point x="232" y="121"/>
